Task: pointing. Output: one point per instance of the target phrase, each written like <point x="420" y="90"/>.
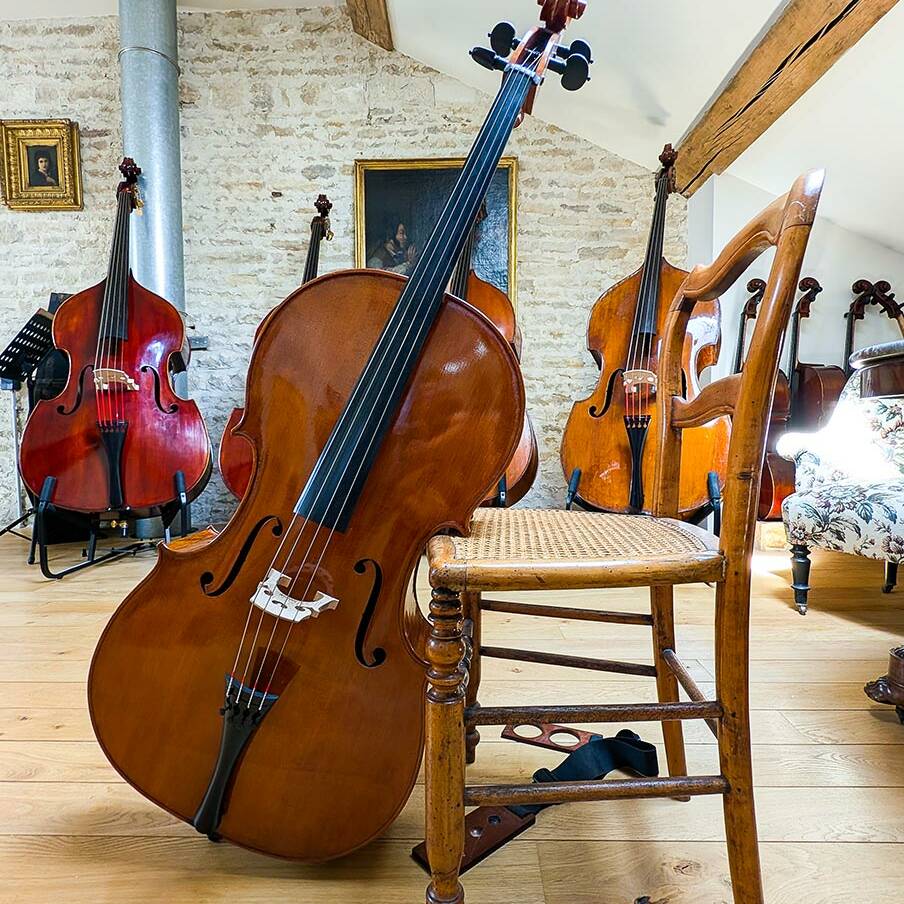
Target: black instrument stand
<point x="44" y="506"/>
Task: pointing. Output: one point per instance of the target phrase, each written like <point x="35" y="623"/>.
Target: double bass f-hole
<point x="61" y="409"/>
<point x="166" y="409"/>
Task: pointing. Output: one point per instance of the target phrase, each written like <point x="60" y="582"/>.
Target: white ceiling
<point x="657" y="61"/>
<point x="852" y="123"/>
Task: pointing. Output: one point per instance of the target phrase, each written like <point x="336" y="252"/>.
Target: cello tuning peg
<point x="581" y="47"/>
<point x="575" y="71"/>
<point x="503" y="38"/>
<point x="488" y="59"/>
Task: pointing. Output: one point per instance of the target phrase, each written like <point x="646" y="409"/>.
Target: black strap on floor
<point x="489" y="828"/>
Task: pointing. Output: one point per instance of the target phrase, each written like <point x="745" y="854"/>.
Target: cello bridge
<point x="273" y="596"/>
<point x="105" y="377"/>
<point x="639" y="379"/>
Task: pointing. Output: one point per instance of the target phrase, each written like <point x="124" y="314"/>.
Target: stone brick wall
<point x="276" y="106"/>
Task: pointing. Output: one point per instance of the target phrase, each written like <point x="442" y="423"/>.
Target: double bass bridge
<point x="105" y="377"/>
<point x="273" y="595"/>
<point x="635" y="380"/>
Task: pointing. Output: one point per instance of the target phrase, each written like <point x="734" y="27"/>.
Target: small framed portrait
<point x="398" y="203"/>
<point x="41" y="164"/>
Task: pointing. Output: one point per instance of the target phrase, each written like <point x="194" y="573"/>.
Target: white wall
<point x="835" y="256"/>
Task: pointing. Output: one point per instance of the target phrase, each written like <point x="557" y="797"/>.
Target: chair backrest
<point x="747" y="396"/>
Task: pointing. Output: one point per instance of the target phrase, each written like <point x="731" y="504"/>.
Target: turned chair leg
<point x="663" y="610"/>
<point x="891" y="576"/>
<point x="800" y="576"/>
<point x="471" y="609"/>
<point x="444" y="764"/>
<point x="732" y="689"/>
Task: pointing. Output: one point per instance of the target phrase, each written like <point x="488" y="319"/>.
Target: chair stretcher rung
<point x="687" y="682"/>
<point x="573" y="662"/>
<point x="605" y="789"/>
<point x="613" y="712"/>
<point x="594" y="615"/>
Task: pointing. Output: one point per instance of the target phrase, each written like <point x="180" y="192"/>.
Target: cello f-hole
<point x="207" y="578"/>
<point x="378" y="656"/>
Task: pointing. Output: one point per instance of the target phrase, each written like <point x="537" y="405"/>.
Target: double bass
<point x="265" y="684"/>
<point x="495" y="304"/>
<point x="118" y="438"/>
<point x="815" y="388"/>
<point x="604" y="452"/>
<point x="777" y="480"/>
<point x="867" y="293"/>
<point x="236" y="458"/>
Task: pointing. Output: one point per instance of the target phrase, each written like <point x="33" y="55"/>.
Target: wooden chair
<point x="520" y="550"/>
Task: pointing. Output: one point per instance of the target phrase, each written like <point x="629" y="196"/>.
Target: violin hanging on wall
<point x="266" y="685"/>
<point x="605" y="454"/>
<point x="497" y="306"/>
<point x="236" y="458"/>
<point x="118" y="438"/>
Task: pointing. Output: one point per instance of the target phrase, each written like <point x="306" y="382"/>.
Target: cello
<point x="118" y="438"/>
<point x="489" y="299"/>
<point x="236" y="458"/>
<point x="604" y="452"/>
<point x="278" y="665"/>
<point x="815" y="388"/>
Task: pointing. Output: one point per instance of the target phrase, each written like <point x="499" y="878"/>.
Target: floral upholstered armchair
<point x="849" y="493"/>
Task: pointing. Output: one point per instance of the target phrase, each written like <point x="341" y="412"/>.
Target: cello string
<point x="399" y="377"/>
<point x="474" y="188"/>
<point x="400" y="318"/>
<point x="411" y="323"/>
<point x="105" y="406"/>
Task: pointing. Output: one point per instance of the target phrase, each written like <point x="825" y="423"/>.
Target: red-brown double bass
<point x="117" y="436"/>
<point x="489" y="299"/>
<point x="265" y="683"/>
<point x="605" y="454"/>
<point x="236" y="458"/>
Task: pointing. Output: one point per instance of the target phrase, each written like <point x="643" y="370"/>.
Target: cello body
<point x="595" y="439"/>
<point x="336" y="757"/>
<point x="165" y="433"/>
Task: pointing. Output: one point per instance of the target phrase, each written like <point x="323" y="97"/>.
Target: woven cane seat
<point x="528" y="549"/>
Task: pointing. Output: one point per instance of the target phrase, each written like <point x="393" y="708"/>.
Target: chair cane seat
<point x="529" y="549"/>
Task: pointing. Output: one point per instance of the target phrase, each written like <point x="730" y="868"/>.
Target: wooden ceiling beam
<point x="370" y="19"/>
<point x="799" y="48"/>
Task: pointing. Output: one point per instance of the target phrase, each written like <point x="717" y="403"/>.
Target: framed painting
<point x="398" y="202"/>
<point x="41" y="164"/>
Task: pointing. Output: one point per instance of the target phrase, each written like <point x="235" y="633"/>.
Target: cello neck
<point x="459" y="284"/>
<point x="114" y="313"/>
<point x="332" y="490"/>
<point x="646" y="315"/>
<point x="320" y="230"/>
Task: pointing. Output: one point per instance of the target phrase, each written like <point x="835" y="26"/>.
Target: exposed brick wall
<point x="276" y="106"/>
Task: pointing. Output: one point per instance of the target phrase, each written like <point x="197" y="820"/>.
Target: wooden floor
<point x="829" y="764"/>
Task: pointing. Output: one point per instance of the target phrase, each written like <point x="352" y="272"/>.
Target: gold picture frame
<point x="41" y="164"/>
<point x="504" y="275"/>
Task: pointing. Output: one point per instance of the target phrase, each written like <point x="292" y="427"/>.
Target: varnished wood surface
<point x="598" y="444"/>
<point x="799" y="48"/>
<point x="353" y="680"/>
<point x="165" y="433"/>
<point x="828" y="763"/>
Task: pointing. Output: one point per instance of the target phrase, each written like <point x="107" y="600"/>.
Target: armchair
<point x="849" y="487"/>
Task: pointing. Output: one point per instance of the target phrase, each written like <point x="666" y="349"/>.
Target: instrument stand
<point x="89" y="554"/>
<point x="589" y="757"/>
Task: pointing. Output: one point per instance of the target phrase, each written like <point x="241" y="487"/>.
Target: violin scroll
<point x="810" y="286"/>
<point x="130" y="173"/>
<point x="324" y="206"/>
